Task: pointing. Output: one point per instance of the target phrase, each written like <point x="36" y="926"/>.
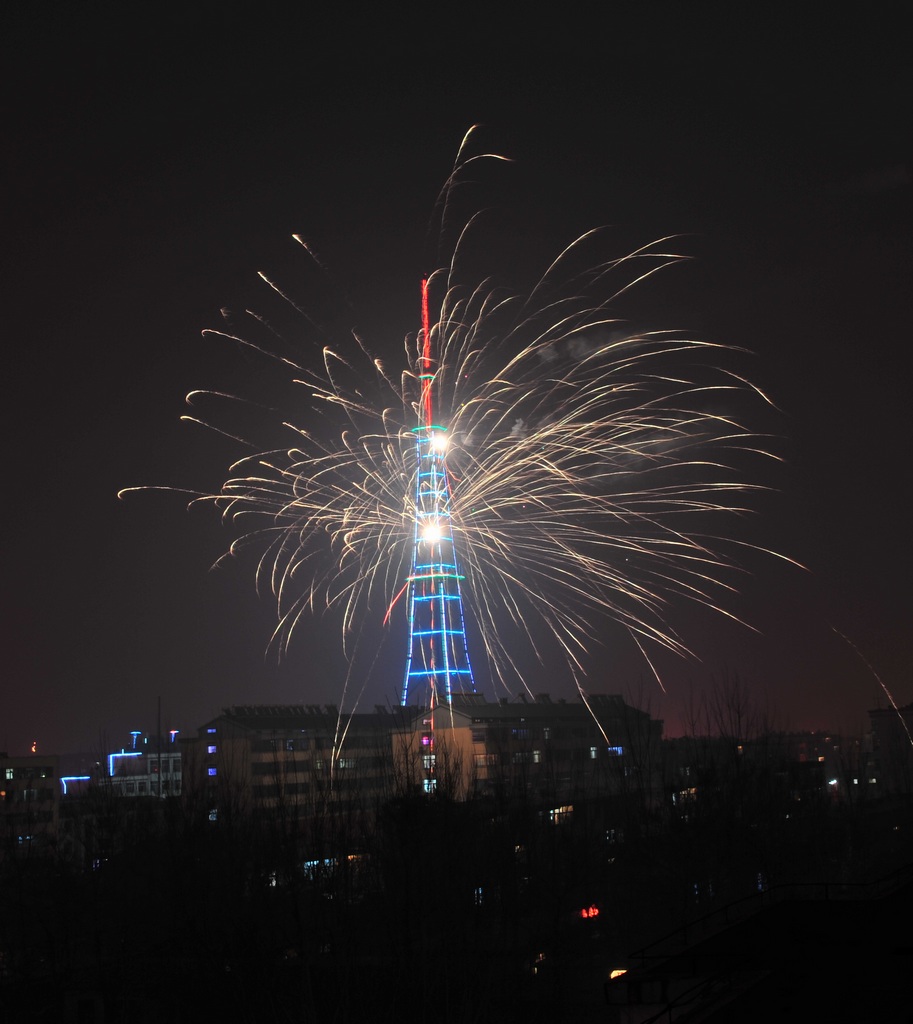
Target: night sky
<point x="156" y="158"/>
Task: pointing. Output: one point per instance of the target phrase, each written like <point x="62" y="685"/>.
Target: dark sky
<point x="155" y="160"/>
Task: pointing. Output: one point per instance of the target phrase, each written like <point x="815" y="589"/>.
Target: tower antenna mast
<point x="437" y="661"/>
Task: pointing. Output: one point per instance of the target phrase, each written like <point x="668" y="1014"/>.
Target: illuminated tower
<point x="437" y="662"/>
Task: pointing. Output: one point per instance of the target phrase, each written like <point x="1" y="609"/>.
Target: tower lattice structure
<point x="437" y="662"/>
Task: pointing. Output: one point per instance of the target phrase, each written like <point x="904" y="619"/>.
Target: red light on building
<point x="589" y="912"/>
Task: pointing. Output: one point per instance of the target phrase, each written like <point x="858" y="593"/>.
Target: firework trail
<point x="592" y="470"/>
<point x="880" y="682"/>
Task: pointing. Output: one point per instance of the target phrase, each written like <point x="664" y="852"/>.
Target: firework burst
<point x="593" y="470"/>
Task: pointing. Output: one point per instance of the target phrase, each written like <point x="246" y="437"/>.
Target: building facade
<point x="301" y="757"/>
<point x="889" y="767"/>
<point x="29" y="803"/>
<point x="533" y="746"/>
<point x="308" y="756"/>
<point x="150" y="769"/>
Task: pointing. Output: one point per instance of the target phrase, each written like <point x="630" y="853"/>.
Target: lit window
<point x="615" y="751"/>
<point x="212" y="770"/>
<point x="211" y="749"/>
<point x="314" y="868"/>
<point x="430" y="785"/>
<point x="594" y="753"/>
<point x="426" y="739"/>
<point x="213" y="814"/>
<point x="428" y="762"/>
<point x="210" y="730"/>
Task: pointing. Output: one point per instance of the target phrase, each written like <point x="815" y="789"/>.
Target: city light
<point x="123" y="753"/>
<point x="65" y="780"/>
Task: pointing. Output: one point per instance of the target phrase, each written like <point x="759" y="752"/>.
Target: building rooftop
<point x="278" y="717"/>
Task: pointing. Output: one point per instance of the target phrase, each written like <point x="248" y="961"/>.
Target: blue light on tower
<point x="437" y="661"/>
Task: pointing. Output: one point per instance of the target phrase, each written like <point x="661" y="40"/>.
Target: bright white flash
<point x="432" y="533"/>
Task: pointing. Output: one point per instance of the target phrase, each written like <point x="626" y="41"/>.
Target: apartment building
<point x="29" y="803"/>
<point x="534" y="745"/>
<point x="300" y="755"/>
